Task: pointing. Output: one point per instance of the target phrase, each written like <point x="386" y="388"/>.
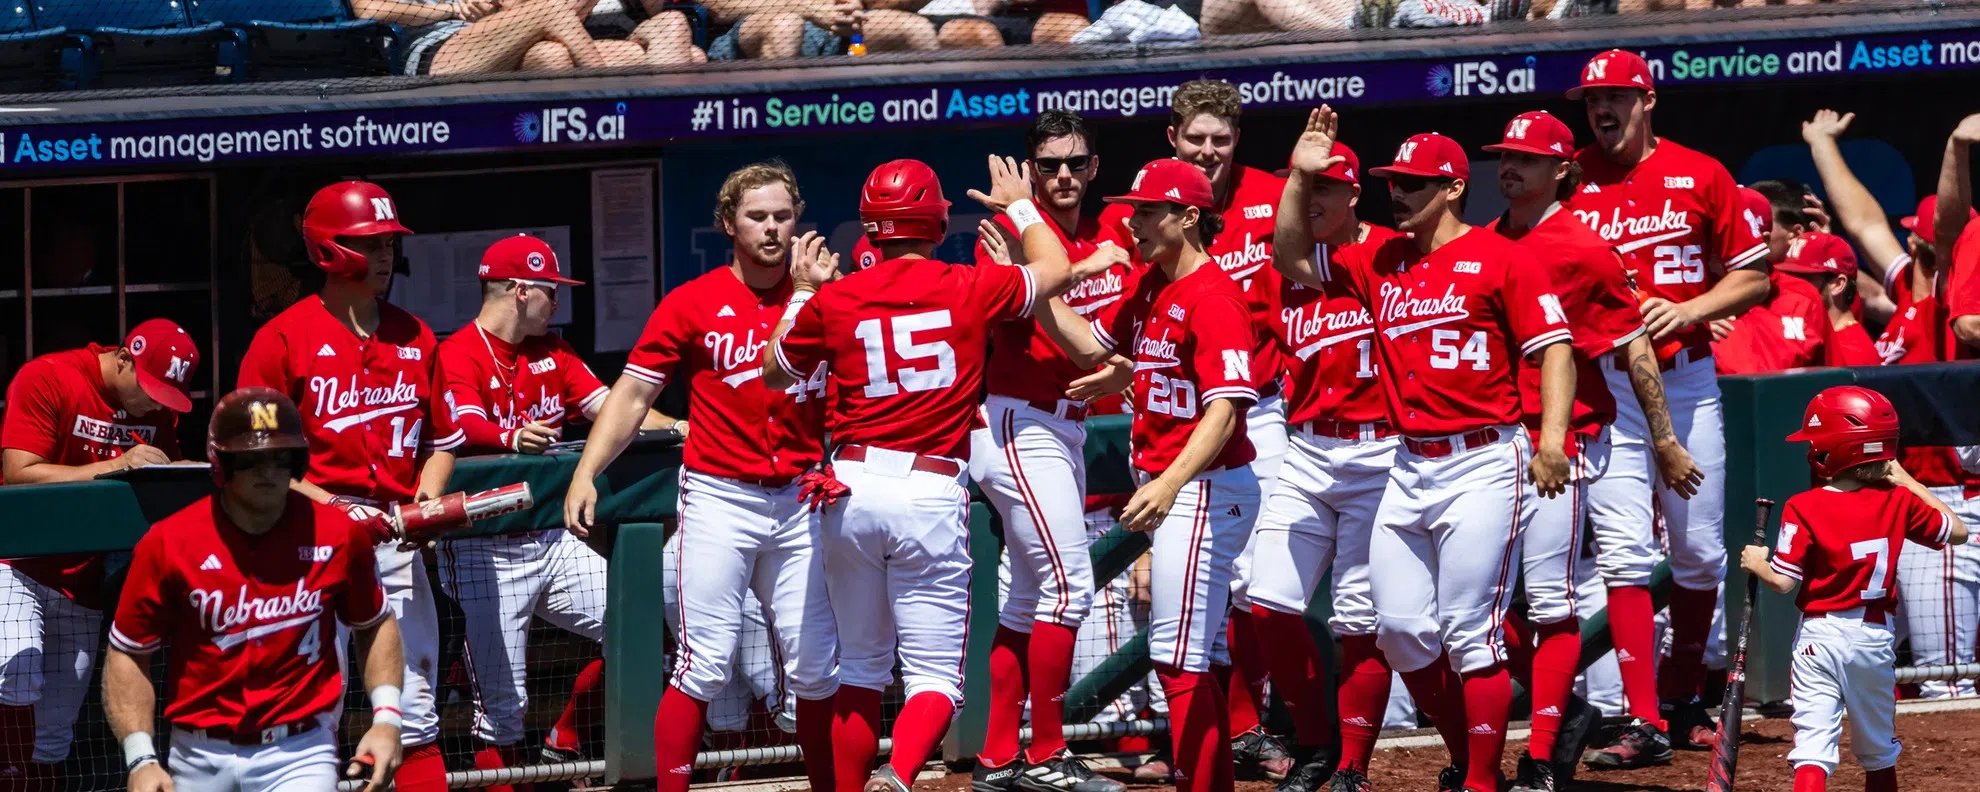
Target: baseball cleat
<point x="886" y="780"/>
<point x="1349" y="780"/>
<point x="1692" y="722"/>
<point x="1451" y="779"/>
<point x="1641" y="744"/>
<point x="1159" y="769"/>
<point x="1534" y="776"/>
<point x="1311" y="769"/>
<point x="995" y="778"/>
<point x="1256" y="749"/>
<point x="1065" y="773"/>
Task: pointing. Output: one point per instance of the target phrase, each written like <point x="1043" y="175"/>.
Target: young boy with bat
<point x="1840" y="543"/>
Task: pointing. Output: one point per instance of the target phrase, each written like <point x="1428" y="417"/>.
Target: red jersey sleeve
<point x="266" y="363"/>
<point x="142" y="619"/>
<point x="363" y="604"/>
<point x="1533" y="311"/>
<point x="1791" y="545"/>
<point x="1922" y="523"/>
<point x="1114" y="325"/>
<point x="1004" y="292"/>
<point x="1222" y="337"/>
<point x="1735" y="229"/>
<point x="584" y="393"/>
<point x="660" y="344"/>
<point x="803" y="346"/>
<point x="1613" y="318"/>
<point x="33" y="407"/>
<point x="444" y="434"/>
<point x="1963" y="291"/>
<point x="459" y="385"/>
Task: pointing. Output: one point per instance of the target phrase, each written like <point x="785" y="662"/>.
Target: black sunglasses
<point x="1410" y="184"/>
<point x="1050" y="165"/>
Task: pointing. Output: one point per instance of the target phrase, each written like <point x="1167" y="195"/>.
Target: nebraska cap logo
<point x="1406" y="152"/>
<point x="137" y="345"/>
<point x="1137" y="179"/>
<point x="535" y="261"/>
<point x="1598" y="69"/>
<point x="381" y="209"/>
<point x="1517" y="129"/>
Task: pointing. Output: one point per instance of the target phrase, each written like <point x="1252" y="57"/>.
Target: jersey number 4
<point x="880" y="382"/>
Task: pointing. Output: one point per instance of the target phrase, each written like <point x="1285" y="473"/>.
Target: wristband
<point x="1023" y="214"/>
<point x="798" y="299"/>
<point x="138" y="751"/>
<point x="385" y="706"/>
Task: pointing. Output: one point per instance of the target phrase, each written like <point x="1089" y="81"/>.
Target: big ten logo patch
<point x="408" y="353"/>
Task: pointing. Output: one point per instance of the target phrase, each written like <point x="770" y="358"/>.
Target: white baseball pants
<point x="1319" y="517"/>
<point x="1619" y="503"/>
<point x="304" y="762"/>
<point x="1844" y="664"/>
<point x="1265" y="427"/>
<point x="1939" y="599"/>
<point x="757" y="674"/>
<point x="1190" y="572"/>
<point x="1551" y="550"/>
<point x="1031" y="466"/>
<point x="411" y="599"/>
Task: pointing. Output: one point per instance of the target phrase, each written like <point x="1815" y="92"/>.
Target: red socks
<point x="1439" y="693"/>
<point x="587" y="697"/>
<point x="1633" y="629"/>
<point x="423" y="770"/>
<point x="1010" y="666"/>
<point x="1244" y="679"/>
<point x="496" y="757"/>
<point x="1691" y="621"/>
<point x="677" y="726"/>
<point x="1884" y="780"/>
<point x="1364" y="699"/>
<point x="1809" y="778"/>
<point x="1294" y="663"/>
<point x="855" y="736"/>
<point x="1199" y="730"/>
<point x="1051" y="672"/>
<point x="1487" y="700"/>
<point x="1556" y="652"/>
<point x="814" y="735"/>
<point x="918" y="730"/>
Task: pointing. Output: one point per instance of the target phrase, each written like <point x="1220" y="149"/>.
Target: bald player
<point x="72" y="416"/>
<point x="1696" y="254"/>
<point x="362" y="371"/>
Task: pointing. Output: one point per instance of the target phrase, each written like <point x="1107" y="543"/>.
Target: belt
<point x="1347" y="430"/>
<point x="922" y="462"/>
<point x="272" y="734"/>
<point x="1062" y="408"/>
<point x="1684" y="357"/>
<point x="1439" y="447"/>
<point x="1866" y="615"/>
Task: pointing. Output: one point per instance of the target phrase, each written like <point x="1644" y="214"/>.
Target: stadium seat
<point x="30" y="58"/>
<point x="298" y="39"/>
<point x="133" y="43"/>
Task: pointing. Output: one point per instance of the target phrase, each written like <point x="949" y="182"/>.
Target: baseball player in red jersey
<point x="1203" y="129"/>
<point x="1958" y="242"/>
<point x="71" y="416"/>
<point x="1827" y="264"/>
<point x="1789" y="328"/>
<point x="1029" y="459"/>
<point x="245" y="591"/>
<point x="904" y="341"/>
<point x="1837" y="542"/>
<point x="1696" y="254"/>
<point x="1318" y="517"/>
<point x="1453" y="307"/>
<point x="510" y="386"/>
<point x="362" y="371"/>
<point x="1189" y="330"/>
<point x="1536" y="175"/>
<point x="742" y="525"/>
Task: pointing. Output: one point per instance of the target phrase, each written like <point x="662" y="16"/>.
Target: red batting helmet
<point x="351" y="208"/>
<point x="903" y="200"/>
<point x="255" y="419"/>
<point x="1846" y="426"/>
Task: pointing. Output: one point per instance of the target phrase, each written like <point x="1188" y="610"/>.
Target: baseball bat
<point x="455" y="510"/>
<point x="1725" y="750"/>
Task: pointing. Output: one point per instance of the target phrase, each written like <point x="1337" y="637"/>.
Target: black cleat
<point x="1641" y="744"/>
<point x="1312" y="767"/>
<point x="1000" y="778"/>
<point x="1534" y="776"/>
<point x="1451" y="779"/>
<point x="1257" y="752"/>
<point x="1349" y="780"/>
<point x="1065" y="773"/>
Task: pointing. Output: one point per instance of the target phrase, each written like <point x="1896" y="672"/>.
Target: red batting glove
<point x="819" y="487"/>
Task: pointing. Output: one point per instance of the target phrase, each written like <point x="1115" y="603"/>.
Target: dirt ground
<point x="1940" y="749"/>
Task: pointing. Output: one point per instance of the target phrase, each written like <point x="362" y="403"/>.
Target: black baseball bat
<point x="1725" y="750"/>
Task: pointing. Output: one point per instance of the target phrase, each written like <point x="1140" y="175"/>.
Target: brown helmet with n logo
<point x="255" y="419"/>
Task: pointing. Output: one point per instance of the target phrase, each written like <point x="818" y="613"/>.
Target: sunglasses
<point x="1050" y="165"/>
<point x="1410" y="184"/>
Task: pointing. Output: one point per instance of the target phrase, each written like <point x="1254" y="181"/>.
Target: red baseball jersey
<point x="1191" y="341"/>
<point x="1329" y="342"/>
<point x="1790" y="329"/>
<point x="1588" y="276"/>
<point x="251" y="620"/>
<point x="367" y="403"/>
<point x="1851" y="346"/>
<point x="1843" y="546"/>
<point x="1677" y="219"/>
<point x="492" y="387"/>
<point x="60" y="409"/>
<point x="905" y="342"/>
<point x="1448" y="324"/>
<point x="1963" y="292"/>
<point x="1910" y="337"/>
<point x="711" y="331"/>
<point x="1243" y="250"/>
<point x="1024" y="363"/>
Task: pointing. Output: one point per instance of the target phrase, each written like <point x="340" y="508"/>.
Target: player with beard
<point x="1203" y="129"/>
<point x="1677" y="218"/>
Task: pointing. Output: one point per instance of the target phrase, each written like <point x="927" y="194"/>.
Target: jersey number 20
<point x="880" y="383"/>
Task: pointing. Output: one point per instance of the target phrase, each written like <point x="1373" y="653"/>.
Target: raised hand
<point x="1314" y="153"/>
<point x="1010" y="182"/>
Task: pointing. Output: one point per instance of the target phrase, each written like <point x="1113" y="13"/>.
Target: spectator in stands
<point x="1224" y="17"/>
<point x="965" y="24"/>
<point x="478" y="36"/>
<point x="770" y="29"/>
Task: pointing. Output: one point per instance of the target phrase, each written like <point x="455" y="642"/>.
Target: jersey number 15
<point x="880" y="382"/>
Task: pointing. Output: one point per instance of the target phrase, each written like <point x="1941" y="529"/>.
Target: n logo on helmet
<point x="262" y="417"/>
<point x="381" y="209"/>
<point x="179" y="369"/>
<point x="1517" y="129"/>
<point x="1598" y="69"/>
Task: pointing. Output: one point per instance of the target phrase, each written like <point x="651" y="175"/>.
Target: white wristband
<point x="798" y="299"/>
<point x="385" y="706"/>
<point x="1023" y="214"/>
<point x="138" y="751"/>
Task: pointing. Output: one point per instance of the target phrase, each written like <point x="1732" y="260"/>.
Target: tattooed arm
<point x="1674" y="464"/>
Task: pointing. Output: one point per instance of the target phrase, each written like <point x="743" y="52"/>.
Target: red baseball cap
<point x="1614" y="69"/>
<point x="1819" y="253"/>
<point x="1348" y="170"/>
<point x="1757" y="205"/>
<point x="1538" y="132"/>
<point x="1169" y="180"/>
<point x="1928" y="209"/>
<point x="1430" y="156"/>
<point x="864" y="253"/>
<point x="524" y="258"/>
<point x="166" y="358"/>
